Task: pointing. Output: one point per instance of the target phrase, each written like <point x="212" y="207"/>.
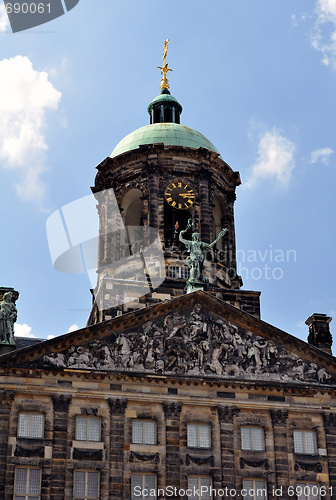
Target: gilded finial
<point x="164" y="69"/>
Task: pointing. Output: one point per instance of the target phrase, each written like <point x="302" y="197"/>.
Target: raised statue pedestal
<point x="194" y="286"/>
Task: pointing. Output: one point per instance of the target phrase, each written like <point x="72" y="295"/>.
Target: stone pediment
<point x="193" y="335"/>
<point x="196" y="342"/>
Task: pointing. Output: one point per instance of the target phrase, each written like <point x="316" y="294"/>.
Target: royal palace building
<point x="175" y="388"/>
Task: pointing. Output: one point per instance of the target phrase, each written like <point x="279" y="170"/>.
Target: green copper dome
<point x="170" y="134"/>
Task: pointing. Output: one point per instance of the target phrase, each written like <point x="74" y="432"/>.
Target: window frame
<point x="178" y="272"/>
<point x="303" y="433"/>
<point x="143" y="476"/>
<point x="88" y="418"/>
<point x="143" y="421"/>
<point x="26" y="495"/>
<point x="199" y="484"/>
<point x="30" y="414"/>
<point x="198" y="425"/>
<point x="254" y="487"/>
<point x="85" y="496"/>
<point x="250" y="428"/>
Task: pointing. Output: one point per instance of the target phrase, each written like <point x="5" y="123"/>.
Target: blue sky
<point x="255" y="77"/>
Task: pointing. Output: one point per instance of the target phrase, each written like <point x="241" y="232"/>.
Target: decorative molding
<point x="85" y="454"/>
<point x="227" y="413"/>
<point x="279" y="417"/>
<point x="254" y="463"/>
<point x="172" y="410"/>
<point x="117" y="406"/>
<point x="29" y="451"/>
<point x="200" y="461"/>
<point x="308" y="466"/>
<point x="145" y="457"/>
<point x="61" y="403"/>
<point x="89" y="411"/>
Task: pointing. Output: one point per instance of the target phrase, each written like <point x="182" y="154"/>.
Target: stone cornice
<point x="279" y="388"/>
<point x="110" y="166"/>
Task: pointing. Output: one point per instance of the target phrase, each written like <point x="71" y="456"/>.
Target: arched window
<point x="157" y="117"/>
<point x="217" y="213"/>
<point x="132" y="214"/>
<point x="167" y="114"/>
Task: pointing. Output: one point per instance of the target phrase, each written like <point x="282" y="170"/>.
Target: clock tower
<point x="157" y="179"/>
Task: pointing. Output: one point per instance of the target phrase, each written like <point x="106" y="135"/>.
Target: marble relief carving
<point x="192" y="344"/>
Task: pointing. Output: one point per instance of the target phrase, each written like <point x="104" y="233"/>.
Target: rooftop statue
<point x="196" y="258"/>
<point x="8" y="315"/>
<point x="164" y="69"/>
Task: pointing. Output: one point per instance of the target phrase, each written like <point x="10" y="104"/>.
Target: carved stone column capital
<point x="329" y="420"/>
<point x="231" y="196"/>
<point x="6" y="397"/>
<point x="205" y="174"/>
<point x="61" y="403"/>
<point x="172" y="410"/>
<point x="227" y="413"/>
<point x="117" y="406"/>
<point x="279" y="417"/>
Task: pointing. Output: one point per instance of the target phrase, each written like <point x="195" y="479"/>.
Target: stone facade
<point x="170" y="402"/>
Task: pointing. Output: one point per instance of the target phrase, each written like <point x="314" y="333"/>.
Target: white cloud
<point x="4" y="21"/>
<point x="323" y="37"/>
<point x="294" y="20"/>
<point x="50" y="337"/>
<point x="275" y="160"/>
<point x="22" y="330"/>
<point x="72" y="328"/>
<point x="321" y="155"/>
<point x="29" y="95"/>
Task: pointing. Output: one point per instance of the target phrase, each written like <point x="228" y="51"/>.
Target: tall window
<point x="86" y="485"/>
<point x="305" y="442"/>
<point x="252" y="438"/>
<point x="88" y="429"/>
<point x="195" y="483"/>
<point x="143" y="432"/>
<point x="30" y="425"/>
<point x="27" y="484"/>
<point x="198" y="436"/>
<point x="143" y="486"/>
<point x="307" y="491"/>
<point x="256" y="489"/>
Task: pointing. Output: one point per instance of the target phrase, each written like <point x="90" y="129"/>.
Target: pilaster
<point x="172" y="413"/>
<point x="6" y="398"/>
<point x="226" y="416"/>
<point x="279" y="423"/>
<point x="58" y="465"/>
<point x="117" y="414"/>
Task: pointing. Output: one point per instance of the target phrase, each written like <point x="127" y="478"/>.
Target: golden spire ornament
<point x="164" y="69"/>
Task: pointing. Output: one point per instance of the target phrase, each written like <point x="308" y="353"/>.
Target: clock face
<point x="179" y="195"/>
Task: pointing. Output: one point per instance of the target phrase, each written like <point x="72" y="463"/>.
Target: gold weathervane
<point x="164" y="69"/>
